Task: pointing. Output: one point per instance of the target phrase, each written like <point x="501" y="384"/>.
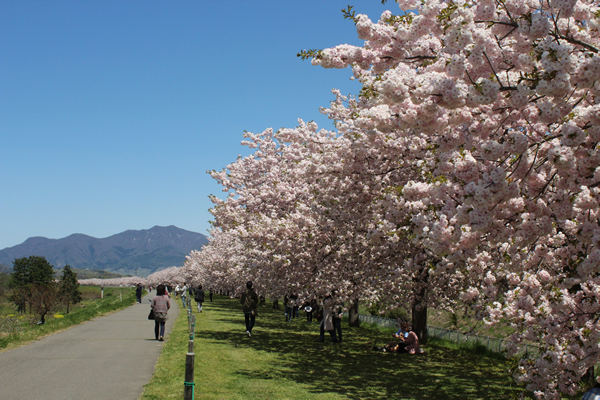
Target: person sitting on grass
<point x="400" y="333"/>
<point x="391" y="347"/>
<point x="409" y="343"/>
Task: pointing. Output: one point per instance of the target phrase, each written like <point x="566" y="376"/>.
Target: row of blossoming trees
<point x="467" y="170"/>
<point x="170" y="276"/>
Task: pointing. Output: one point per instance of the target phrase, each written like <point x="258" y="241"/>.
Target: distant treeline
<point x="92" y="273"/>
<point x="5" y="271"/>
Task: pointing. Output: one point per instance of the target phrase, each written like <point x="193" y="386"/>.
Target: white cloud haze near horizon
<point x="112" y="112"/>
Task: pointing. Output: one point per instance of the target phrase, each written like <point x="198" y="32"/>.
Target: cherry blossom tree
<point x="171" y="276"/>
<point x="467" y="168"/>
<point x="304" y="206"/>
<point x="504" y="95"/>
<point x="219" y="264"/>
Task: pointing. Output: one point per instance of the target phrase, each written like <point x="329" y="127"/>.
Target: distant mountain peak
<point x="131" y="252"/>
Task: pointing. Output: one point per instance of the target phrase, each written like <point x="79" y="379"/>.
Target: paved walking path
<point x="110" y="357"/>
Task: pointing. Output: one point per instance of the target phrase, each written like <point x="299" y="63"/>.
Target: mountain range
<point x="132" y="252"/>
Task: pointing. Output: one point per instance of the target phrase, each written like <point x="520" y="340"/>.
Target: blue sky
<point x="111" y="112"/>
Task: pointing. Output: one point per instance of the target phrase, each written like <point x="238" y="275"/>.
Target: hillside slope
<point x="131" y="252"/>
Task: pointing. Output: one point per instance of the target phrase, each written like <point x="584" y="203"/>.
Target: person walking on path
<point x="184" y="296"/>
<point x="295" y="310"/>
<point x="160" y="304"/>
<point x="199" y="297"/>
<point x="327" y="323"/>
<point x="308" y="308"/>
<point x="109" y="357"/>
<point x="249" y="305"/>
<point x="319" y="304"/>
<point x="336" y="319"/>
<point x="138" y="293"/>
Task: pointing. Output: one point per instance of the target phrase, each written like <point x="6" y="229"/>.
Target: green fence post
<point x="188" y="384"/>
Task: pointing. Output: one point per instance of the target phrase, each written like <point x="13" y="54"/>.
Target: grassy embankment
<point x="17" y="329"/>
<point x="282" y="361"/>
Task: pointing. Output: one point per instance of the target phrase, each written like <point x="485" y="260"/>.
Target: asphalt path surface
<point x="110" y="357"/>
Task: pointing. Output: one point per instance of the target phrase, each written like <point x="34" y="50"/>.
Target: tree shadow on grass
<point x="355" y="371"/>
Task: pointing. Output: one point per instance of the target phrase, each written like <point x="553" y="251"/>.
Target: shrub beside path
<point x="110" y="357"/>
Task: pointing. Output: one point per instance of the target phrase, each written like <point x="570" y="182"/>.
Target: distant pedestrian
<point x="249" y="302"/>
<point x="295" y="308"/>
<point x="138" y="293"/>
<point x="308" y="309"/>
<point x="319" y="315"/>
<point x="160" y="304"/>
<point x="287" y="308"/>
<point x="327" y="323"/>
<point x="210" y="294"/>
<point x="184" y="296"/>
<point x="150" y="289"/>
<point x="336" y="319"/>
<point x="199" y="297"/>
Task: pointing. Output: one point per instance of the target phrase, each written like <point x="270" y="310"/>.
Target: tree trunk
<point x="419" y="309"/>
<point x="419" y="321"/>
<point x="589" y="377"/>
<point x="275" y="304"/>
<point x="353" y="314"/>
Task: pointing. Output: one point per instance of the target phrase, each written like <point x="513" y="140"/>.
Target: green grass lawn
<point x="283" y="361"/>
<point x="19" y="329"/>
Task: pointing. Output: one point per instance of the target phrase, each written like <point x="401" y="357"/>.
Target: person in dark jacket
<point x="287" y="304"/>
<point x="336" y="319"/>
<point x="295" y="308"/>
<point x="138" y="293"/>
<point x="249" y="302"/>
<point x="199" y="297"/>
<point x="309" y="307"/>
